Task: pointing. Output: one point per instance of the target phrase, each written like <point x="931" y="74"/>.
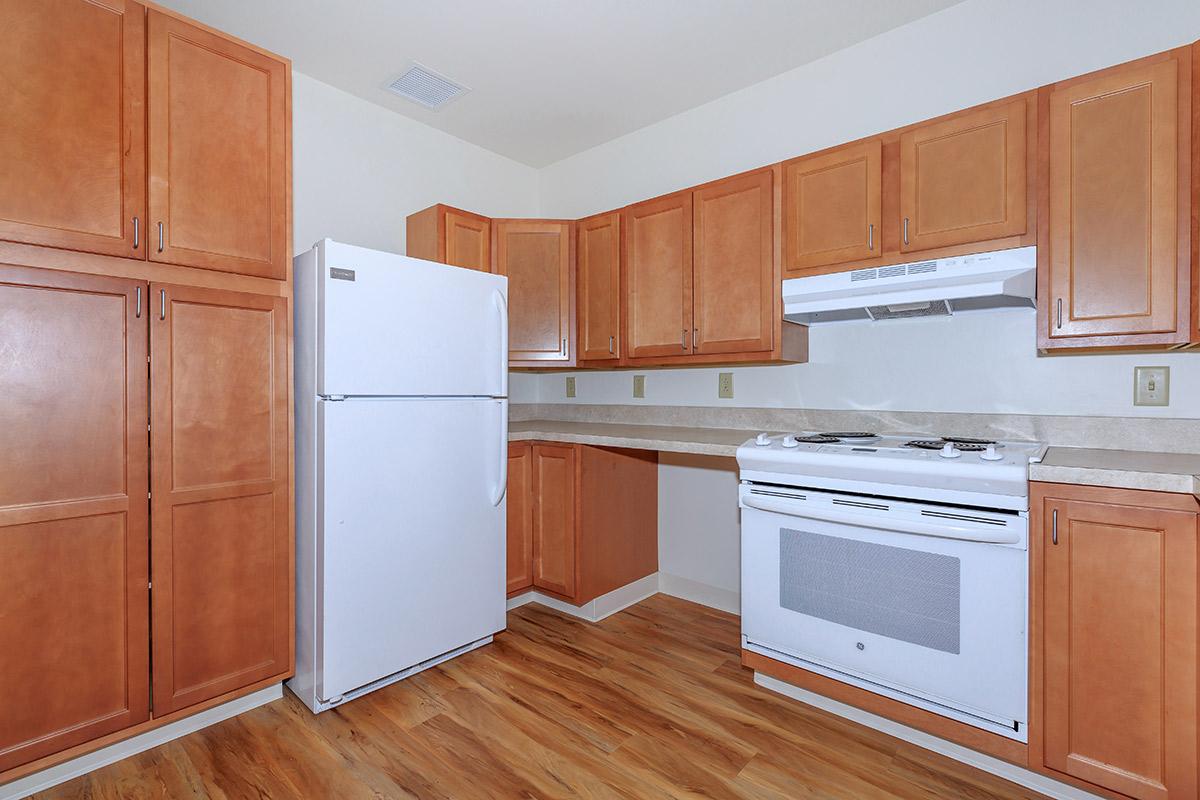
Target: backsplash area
<point x="984" y="363"/>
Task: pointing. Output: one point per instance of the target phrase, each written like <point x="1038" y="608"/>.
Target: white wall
<point x="359" y="170"/>
<point x="970" y="53"/>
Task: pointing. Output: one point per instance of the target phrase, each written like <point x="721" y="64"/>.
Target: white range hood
<point x="985" y="281"/>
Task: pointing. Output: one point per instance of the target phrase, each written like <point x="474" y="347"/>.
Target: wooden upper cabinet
<point x="734" y="282"/>
<point x="1114" y="245"/>
<point x="537" y="257"/>
<point x="1118" y="643"/>
<point x="832" y="208"/>
<point x="222" y="547"/>
<point x="520" y="517"/>
<point x="598" y="256"/>
<point x="657" y="270"/>
<point x="72" y="141"/>
<point x="450" y="236"/>
<point x="554" y="518"/>
<point x="964" y="178"/>
<point x="75" y="616"/>
<point x="219" y="151"/>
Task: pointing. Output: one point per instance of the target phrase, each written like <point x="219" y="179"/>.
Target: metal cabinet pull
<point x="683" y="340"/>
<point x="695" y="338"/>
<point x="906" y="230"/>
<point x="137" y="308"/>
<point x="160" y="237"/>
<point x="137" y="233"/>
<point x="1058" y="315"/>
<point x="1054" y="526"/>
<point x="871" y="236"/>
<point x="610" y="345"/>
<point x="564" y="346"/>
<point x="162" y="304"/>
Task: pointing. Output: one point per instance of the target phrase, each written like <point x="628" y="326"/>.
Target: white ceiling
<point x="551" y="78"/>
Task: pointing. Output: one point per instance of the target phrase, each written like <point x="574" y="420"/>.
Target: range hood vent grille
<point x="936" y="308"/>
<point x="893" y="271"/>
<point x="426" y="87"/>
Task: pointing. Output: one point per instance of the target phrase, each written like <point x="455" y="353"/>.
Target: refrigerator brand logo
<point x="341" y="274"/>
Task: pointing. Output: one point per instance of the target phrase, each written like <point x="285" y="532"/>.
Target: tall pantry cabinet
<point x="146" y="531"/>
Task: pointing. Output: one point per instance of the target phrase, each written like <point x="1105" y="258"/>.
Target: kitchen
<point x="650" y="346"/>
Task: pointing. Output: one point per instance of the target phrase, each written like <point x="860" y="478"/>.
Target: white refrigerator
<point x="401" y="369"/>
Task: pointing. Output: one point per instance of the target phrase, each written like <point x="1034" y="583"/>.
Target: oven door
<point x="923" y="603"/>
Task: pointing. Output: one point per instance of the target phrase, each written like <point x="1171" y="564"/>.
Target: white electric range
<point x="898" y="564"/>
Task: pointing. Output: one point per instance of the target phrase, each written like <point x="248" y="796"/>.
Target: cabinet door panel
<point x="734" y="272"/>
<point x="468" y="240"/>
<point x="964" y="179"/>
<point x="658" y="276"/>
<point x="1115" y="171"/>
<point x="74" y="618"/>
<point x="1120" y="647"/>
<point x="599" y="259"/>
<point x="73" y="138"/>
<point x="536" y="258"/>
<point x="554" y="518"/>
<point x="833" y="207"/>
<point x="520" y="517"/>
<point x="218" y="151"/>
<point x="222" y="544"/>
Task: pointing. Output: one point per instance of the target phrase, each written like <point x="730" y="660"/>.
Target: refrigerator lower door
<point x="411" y="518"/>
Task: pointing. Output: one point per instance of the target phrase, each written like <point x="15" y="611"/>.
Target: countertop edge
<point x="662" y="445"/>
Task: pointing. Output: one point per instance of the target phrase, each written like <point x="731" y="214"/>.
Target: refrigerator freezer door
<point x="390" y="325"/>
<point x="411" y="525"/>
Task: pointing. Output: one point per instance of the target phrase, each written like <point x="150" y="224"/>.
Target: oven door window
<point x="909" y="595"/>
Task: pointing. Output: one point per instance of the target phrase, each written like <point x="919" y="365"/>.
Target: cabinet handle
<point x="683" y="340"/>
<point x="160" y="237"/>
<point x="1058" y="315"/>
<point x="137" y="233"/>
<point x="906" y="230"/>
<point x="1054" y="526"/>
<point x="871" y="236"/>
<point x="564" y="346"/>
<point x="162" y="304"/>
<point x="695" y="338"/>
<point x="610" y="345"/>
<point x="137" y="308"/>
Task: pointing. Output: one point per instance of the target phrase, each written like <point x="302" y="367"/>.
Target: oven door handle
<point x="941" y="530"/>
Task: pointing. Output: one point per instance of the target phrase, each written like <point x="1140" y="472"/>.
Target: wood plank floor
<point x="650" y="703"/>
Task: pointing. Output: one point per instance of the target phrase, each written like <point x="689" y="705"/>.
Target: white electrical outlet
<point x="725" y="385"/>
<point x="570" y="386"/>
<point x="639" y="385"/>
<point x="1151" y="386"/>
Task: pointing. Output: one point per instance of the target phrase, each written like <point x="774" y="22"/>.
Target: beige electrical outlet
<point x="570" y="386"/>
<point x="639" y="385"/>
<point x="725" y="385"/>
<point x="1151" y="386"/>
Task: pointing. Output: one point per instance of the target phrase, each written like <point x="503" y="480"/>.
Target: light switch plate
<point x="570" y="386"/>
<point x="725" y="385"/>
<point x="1151" y="386"/>
<point x="639" y="385"/>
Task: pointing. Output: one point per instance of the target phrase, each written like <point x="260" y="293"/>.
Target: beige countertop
<point x="665" y="438"/>
<point x="1124" y="469"/>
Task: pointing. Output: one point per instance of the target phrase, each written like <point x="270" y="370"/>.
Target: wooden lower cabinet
<point x="220" y="509"/>
<point x="1114" y="639"/>
<point x="74" y="602"/>
<point x="520" y="518"/>
<point x="563" y="517"/>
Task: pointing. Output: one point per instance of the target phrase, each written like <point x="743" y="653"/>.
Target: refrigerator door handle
<point x="502" y="307"/>
<point x="502" y="452"/>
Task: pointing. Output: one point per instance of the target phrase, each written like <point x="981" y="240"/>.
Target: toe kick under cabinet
<point x="582" y="520"/>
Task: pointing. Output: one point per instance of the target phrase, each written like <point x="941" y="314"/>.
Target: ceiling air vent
<point x="424" y="86"/>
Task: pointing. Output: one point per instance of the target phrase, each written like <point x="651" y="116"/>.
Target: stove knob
<point x="949" y="451"/>
<point x="990" y="454"/>
<point x="762" y="440"/>
<point x="790" y="441"/>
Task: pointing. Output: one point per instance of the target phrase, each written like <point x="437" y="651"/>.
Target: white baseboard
<point x="595" y="610"/>
<point x="40" y="781"/>
<point x="702" y="593"/>
<point x="1003" y="769"/>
